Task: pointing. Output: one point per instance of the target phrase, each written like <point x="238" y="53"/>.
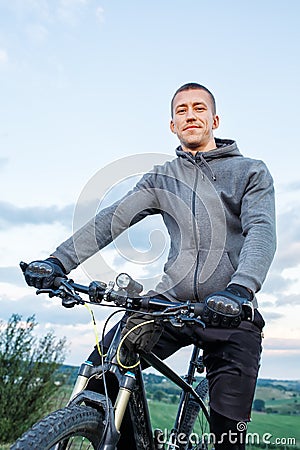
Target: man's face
<point x="194" y="120"/>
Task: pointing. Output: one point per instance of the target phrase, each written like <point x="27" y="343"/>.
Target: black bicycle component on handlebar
<point x="65" y="291"/>
<point x="97" y="290"/>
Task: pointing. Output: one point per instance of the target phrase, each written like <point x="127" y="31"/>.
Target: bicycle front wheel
<point x="195" y="426"/>
<point x="74" y="427"/>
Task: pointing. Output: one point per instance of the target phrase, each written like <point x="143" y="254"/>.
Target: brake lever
<point x="175" y="322"/>
<point x="66" y="293"/>
<point x="193" y="320"/>
<point x="180" y="320"/>
<point x="51" y="292"/>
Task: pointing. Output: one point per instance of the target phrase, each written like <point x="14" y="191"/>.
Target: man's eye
<point x="181" y="111"/>
<point x="199" y="108"/>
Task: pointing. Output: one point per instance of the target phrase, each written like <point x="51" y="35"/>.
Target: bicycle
<point x="108" y="407"/>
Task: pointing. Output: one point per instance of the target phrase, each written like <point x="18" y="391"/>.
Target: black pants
<point x="232" y="358"/>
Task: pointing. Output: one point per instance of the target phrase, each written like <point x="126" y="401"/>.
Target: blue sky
<point x="85" y="84"/>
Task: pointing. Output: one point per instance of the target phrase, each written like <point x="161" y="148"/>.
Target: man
<point x="218" y="207"/>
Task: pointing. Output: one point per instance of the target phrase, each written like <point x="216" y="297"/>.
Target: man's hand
<point x="41" y="274"/>
<point x="229" y="307"/>
<point x="144" y="331"/>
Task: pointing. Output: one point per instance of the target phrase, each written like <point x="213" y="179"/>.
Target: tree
<point x="27" y="374"/>
<point x="174" y="398"/>
<point x="159" y="395"/>
<point x="258" y="405"/>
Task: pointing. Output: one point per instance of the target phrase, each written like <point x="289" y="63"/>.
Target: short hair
<point x="190" y="86"/>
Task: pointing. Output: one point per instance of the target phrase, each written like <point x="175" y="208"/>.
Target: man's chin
<point x="192" y="145"/>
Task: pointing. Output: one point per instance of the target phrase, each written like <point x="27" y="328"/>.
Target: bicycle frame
<point x="121" y="417"/>
<point x="125" y="402"/>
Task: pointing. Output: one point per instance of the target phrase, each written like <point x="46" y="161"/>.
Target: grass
<point x="280" y="426"/>
<point x="162" y="414"/>
<point x="269" y="426"/>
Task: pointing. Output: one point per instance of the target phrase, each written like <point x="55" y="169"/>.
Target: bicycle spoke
<point x="75" y="443"/>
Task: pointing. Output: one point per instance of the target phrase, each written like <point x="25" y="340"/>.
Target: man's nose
<point x="190" y="114"/>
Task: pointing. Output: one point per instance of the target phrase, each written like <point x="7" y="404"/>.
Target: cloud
<point x="11" y="275"/>
<point x="11" y="215"/>
<point x="69" y="11"/>
<point x="32" y="8"/>
<point x="290" y="187"/>
<point x="3" y="57"/>
<point x="290" y="299"/>
<point x="270" y="316"/>
<point x="100" y="14"/>
<point x="283" y="276"/>
<point x="288" y="230"/>
<point x="279" y="364"/>
<point x="282" y="344"/>
<point x="47" y="311"/>
<point x="47" y="11"/>
<point x="279" y="286"/>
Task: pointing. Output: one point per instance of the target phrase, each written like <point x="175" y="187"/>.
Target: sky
<point x="85" y="88"/>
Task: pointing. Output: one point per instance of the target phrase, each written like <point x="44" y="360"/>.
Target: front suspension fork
<point x="112" y="434"/>
<point x="126" y="386"/>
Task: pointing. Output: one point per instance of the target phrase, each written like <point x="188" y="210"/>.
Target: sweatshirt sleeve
<point x="108" y="224"/>
<point x="258" y="227"/>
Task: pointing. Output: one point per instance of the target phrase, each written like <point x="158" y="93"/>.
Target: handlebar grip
<point x="198" y="308"/>
<point x="23" y="266"/>
<point x="58" y="281"/>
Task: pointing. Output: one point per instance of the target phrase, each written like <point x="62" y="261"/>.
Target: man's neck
<point x="211" y="145"/>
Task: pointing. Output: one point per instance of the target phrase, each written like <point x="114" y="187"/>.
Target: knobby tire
<point x="195" y="426"/>
<point x="79" y="427"/>
<point x="74" y="427"/>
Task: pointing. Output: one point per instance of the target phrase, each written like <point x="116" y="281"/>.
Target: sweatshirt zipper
<point x="195" y="235"/>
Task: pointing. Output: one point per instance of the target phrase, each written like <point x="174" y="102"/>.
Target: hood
<point x="225" y="148"/>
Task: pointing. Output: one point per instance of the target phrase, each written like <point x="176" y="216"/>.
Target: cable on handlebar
<point x="95" y="330"/>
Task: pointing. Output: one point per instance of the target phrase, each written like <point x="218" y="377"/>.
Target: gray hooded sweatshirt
<point x="218" y="207"/>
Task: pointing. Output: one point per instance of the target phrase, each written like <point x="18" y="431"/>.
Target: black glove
<point x="41" y="274"/>
<point x="229" y="307"/>
<point x="144" y="337"/>
<point x="240" y="291"/>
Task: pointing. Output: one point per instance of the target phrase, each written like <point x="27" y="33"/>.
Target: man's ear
<point x="216" y="122"/>
<point x="172" y="127"/>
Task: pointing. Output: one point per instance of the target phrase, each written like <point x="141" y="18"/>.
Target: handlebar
<point x="99" y="291"/>
<point x="216" y="309"/>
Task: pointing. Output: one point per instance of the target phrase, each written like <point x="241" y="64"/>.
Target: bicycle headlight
<point x="123" y="280"/>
